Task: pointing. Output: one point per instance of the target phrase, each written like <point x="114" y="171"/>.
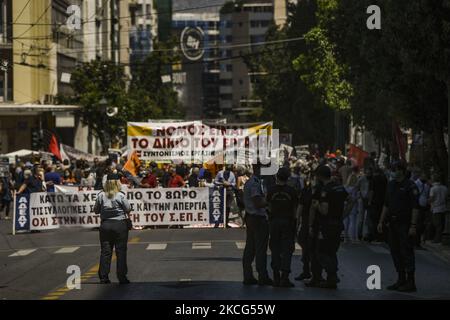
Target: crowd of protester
<point x="365" y="184"/>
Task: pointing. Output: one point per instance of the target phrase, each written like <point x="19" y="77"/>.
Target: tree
<point x="146" y="98"/>
<point x="397" y="73"/>
<point x="93" y="82"/>
<point x="285" y="97"/>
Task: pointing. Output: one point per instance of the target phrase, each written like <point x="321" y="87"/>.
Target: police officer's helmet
<point x="283" y="174"/>
<point x="323" y="171"/>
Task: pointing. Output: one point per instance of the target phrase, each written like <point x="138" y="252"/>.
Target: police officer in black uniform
<point x="303" y="236"/>
<point x="400" y="214"/>
<point x="282" y="201"/>
<point x="327" y="211"/>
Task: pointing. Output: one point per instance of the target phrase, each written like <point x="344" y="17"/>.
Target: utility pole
<point x="446" y="233"/>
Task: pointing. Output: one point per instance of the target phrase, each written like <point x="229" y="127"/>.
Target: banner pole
<point x="225" y="222"/>
<point x="14" y="215"/>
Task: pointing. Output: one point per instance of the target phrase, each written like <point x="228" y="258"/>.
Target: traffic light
<point x="36" y="139"/>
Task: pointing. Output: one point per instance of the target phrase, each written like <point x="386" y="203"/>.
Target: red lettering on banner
<point x="89" y="220"/>
<point x="35" y="222"/>
<point x="172" y="217"/>
<point x="82" y="221"/>
<point x="161" y="216"/>
<point x="43" y="221"/>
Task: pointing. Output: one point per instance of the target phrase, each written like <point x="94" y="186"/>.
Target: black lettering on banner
<point x="193" y="194"/>
<point x="181" y="216"/>
<point x="154" y="217"/>
<point x="168" y="195"/>
<point x="176" y="195"/>
<point x="172" y="217"/>
<point x="35" y="222"/>
<point x="86" y="197"/>
<point x="135" y="218"/>
<point x="161" y="216"/>
<point x="138" y="195"/>
<point x="82" y="220"/>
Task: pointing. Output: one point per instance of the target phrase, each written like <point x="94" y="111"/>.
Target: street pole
<point x="446" y="233"/>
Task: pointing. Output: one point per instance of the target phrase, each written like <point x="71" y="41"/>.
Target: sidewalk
<point x="439" y="250"/>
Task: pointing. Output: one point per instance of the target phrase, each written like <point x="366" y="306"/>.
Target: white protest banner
<point x="169" y="206"/>
<point x="196" y="141"/>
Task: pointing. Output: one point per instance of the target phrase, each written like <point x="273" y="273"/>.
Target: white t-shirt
<point x="438" y="192"/>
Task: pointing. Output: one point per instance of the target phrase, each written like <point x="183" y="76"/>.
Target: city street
<point x="187" y="264"/>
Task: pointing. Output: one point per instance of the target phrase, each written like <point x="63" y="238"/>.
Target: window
<point x="226" y="82"/>
<point x="227" y="96"/>
<point x="229" y="68"/>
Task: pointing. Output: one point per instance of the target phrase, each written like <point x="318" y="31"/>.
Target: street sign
<point x="192" y="43"/>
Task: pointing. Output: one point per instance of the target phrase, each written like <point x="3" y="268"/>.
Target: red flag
<point x="358" y="154"/>
<point x="53" y="147"/>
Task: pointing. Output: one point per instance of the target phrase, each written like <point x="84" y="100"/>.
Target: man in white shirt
<point x="438" y="197"/>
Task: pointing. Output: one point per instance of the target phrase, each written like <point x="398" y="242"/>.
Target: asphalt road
<point x="187" y="264"/>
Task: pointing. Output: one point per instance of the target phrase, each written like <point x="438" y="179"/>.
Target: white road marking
<point x="22" y="253"/>
<point x="240" y="245"/>
<point x="201" y="245"/>
<point x="379" y="249"/>
<point x="67" y="250"/>
<point x="157" y="246"/>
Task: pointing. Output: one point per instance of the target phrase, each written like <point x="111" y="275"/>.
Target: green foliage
<point x="285" y="97"/>
<point x="145" y="98"/>
<point x="322" y="74"/>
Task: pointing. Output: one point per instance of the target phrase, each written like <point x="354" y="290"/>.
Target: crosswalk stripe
<point x="157" y="246"/>
<point x="379" y="249"/>
<point x="201" y="245"/>
<point x="22" y="253"/>
<point x="240" y="245"/>
<point x="67" y="250"/>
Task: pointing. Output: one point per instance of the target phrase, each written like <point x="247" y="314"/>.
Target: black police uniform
<point x="303" y="234"/>
<point x="282" y="200"/>
<point x="401" y="198"/>
<point x="329" y="229"/>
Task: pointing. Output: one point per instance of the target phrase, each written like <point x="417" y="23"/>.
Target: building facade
<point x="243" y="30"/>
<point x="42" y="42"/>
